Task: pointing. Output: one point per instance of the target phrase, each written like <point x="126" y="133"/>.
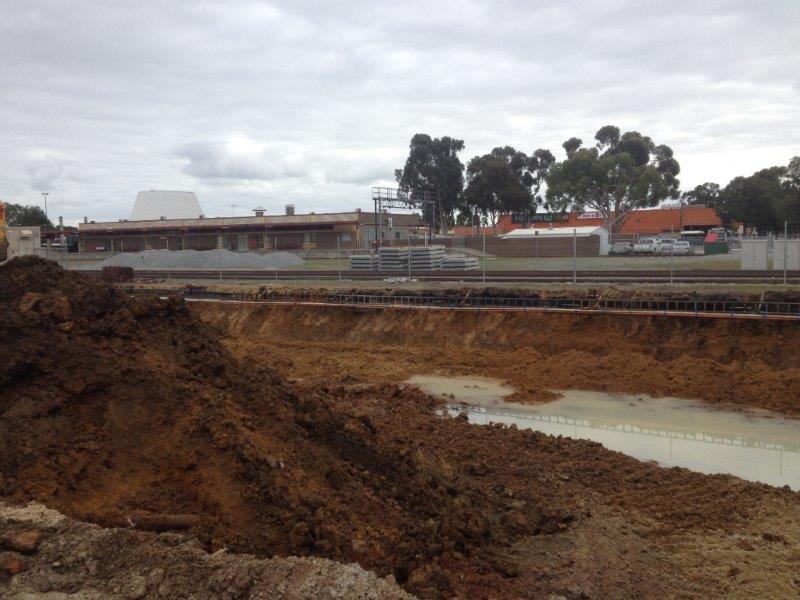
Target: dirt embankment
<point x="737" y="363"/>
<point x="120" y="410"/>
<point x="112" y="406"/>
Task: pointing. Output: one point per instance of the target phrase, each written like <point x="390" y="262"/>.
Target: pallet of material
<point x="365" y="262"/>
<point x="427" y="258"/>
<point x="393" y="258"/>
<point x="459" y="262"/>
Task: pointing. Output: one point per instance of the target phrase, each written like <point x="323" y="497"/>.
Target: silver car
<point x="681" y="247"/>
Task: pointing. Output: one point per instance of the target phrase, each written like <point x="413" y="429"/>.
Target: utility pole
<point x="233" y="209"/>
<point x="45" y="195"/>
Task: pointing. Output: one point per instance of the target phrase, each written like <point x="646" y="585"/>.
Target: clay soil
<point x="286" y="432"/>
<point x="730" y="364"/>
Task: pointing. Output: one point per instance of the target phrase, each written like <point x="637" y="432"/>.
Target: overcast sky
<point x="312" y="102"/>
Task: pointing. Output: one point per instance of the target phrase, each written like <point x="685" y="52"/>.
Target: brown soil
<point x="112" y="407"/>
<point x="69" y="559"/>
<point x="736" y="364"/>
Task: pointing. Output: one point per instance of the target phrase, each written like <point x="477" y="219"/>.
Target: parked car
<point x="666" y="247"/>
<point x="621" y="249"/>
<point x="647" y="246"/>
<point x="681" y="247"/>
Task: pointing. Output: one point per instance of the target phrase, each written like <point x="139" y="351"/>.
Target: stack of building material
<point x="459" y="262"/>
<point x="427" y="258"/>
<point x="363" y="262"/>
<point x="393" y="258"/>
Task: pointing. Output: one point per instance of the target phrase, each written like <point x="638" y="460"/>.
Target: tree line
<point x="617" y="173"/>
<point x="762" y="202"/>
<point x="20" y="215"/>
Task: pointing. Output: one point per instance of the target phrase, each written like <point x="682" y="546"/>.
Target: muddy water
<point x="674" y="432"/>
<point x="472" y="390"/>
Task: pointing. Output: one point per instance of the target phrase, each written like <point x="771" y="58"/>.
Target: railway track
<point x="680" y="308"/>
<point x="621" y="276"/>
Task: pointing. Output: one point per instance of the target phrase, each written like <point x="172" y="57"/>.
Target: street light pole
<point x="45" y="195"/>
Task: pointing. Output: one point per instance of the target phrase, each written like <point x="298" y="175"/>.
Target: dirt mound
<point x="53" y="555"/>
<point x="115" y="409"/>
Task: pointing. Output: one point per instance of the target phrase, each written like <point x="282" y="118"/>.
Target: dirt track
<point x="112" y="407"/>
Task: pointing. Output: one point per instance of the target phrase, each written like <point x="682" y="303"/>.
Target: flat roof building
<point x="311" y="231"/>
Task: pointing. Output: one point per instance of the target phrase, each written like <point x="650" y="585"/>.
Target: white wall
<point x="754" y="255"/>
<point x="791" y="248"/>
<point x="24" y="241"/>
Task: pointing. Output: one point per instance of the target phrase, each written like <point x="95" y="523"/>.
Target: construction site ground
<point x="399" y="285"/>
<point x="287" y="431"/>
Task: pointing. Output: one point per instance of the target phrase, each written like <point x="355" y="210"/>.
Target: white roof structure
<point x="562" y="232"/>
<point x="157" y="204"/>
<point x="555" y="232"/>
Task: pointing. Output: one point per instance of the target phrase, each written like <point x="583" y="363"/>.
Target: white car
<point x="681" y="247"/>
<point x="647" y="246"/>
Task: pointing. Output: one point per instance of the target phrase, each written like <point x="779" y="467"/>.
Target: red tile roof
<point x="646" y="221"/>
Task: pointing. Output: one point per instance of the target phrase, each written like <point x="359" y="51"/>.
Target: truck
<point x="3" y="237"/>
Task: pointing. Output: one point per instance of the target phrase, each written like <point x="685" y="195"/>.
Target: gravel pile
<point x="206" y="259"/>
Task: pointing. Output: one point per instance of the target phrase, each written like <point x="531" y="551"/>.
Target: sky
<point x="312" y="102"/>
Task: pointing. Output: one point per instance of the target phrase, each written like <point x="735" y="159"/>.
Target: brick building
<point x="259" y="233"/>
<point x="636" y="223"/>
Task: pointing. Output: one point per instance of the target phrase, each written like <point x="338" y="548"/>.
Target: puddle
<point x="674" y="432"/>
<point x="472" y="390"/>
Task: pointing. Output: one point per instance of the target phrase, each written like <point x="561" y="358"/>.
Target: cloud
<point x="44" y="171"/>
<point x="312" y="102"/>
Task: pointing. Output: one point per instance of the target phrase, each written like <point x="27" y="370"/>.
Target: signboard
<point x="541" y="218"/>
<point x="592" y="214"/>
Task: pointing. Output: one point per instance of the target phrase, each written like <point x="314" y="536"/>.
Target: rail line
<point x="696" y="309"/>
<point x="532" y="276"/>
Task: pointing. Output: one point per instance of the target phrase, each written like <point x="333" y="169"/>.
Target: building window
<point x="346" y="237"/>
<point x="397" y="235"/>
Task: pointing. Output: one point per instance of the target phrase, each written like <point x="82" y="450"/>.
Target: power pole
<point x="45" y="195"/>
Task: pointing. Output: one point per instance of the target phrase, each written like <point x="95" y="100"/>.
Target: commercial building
<point x="259" y="233"/>
<point x="654" y="221"/>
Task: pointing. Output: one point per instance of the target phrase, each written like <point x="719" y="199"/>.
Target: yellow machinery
<point x="3" y="240"/>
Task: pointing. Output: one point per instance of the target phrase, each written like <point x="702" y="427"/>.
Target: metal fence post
<point x="484" y="258"/>
<point x="339" y="255"/>
<point x="785" y="248"/>
<point x="574" y="255"/>
<point x="672" y="255"/>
